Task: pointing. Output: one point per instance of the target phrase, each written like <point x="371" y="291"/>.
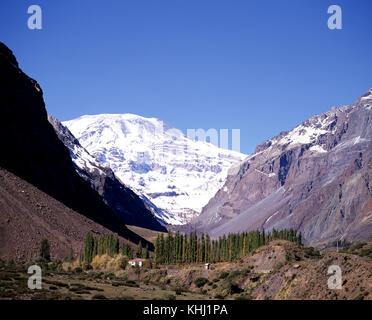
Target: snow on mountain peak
<point x="366" y="100"/>
<point x="178" y="174"/>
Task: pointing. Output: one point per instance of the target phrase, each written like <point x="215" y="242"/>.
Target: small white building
<point x="136" y="262"/>
<point x="207" y="266"/>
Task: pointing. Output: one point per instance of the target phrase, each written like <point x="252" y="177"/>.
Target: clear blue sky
<point x="260" y="66"/>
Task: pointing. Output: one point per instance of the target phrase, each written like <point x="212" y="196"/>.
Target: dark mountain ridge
<point x="32" y="151"/>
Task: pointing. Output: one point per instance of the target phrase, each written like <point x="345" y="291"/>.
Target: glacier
<point x="179" y="175"/>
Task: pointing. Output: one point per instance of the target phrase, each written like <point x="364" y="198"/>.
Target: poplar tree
<point x="139" y="250"/>
<point x="45" y="250"/>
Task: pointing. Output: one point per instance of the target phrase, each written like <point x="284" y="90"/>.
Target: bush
<point x="200" y="282"/>
<point x="357" y="246"/>
<point x="178" y="291"/>
<point x="88" y="267"/>
<point x="110" y="276"/>
<point x="310" y="252"/>
<point x="223" y="275"/>
<point x="78" y="270"/>
<point x="365" y="252"/>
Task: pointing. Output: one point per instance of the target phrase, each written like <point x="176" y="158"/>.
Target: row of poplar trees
<point x="179" y="248"/>
<point x="110" y="244"/>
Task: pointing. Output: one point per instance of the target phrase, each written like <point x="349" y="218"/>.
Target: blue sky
<point x="259" y="66"/>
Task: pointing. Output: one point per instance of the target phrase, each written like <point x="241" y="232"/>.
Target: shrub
<point x="178" y="290"/>
<point x="88" y="267"/>
<point x="365" y="252"/>
<point x="357" y="246"/>
<point x="110" y="276"/>
<point x="200" y="282"/>
<point x="223" y="275"/>
<point x="310" y="252"/>
<point x="78" y="270"/>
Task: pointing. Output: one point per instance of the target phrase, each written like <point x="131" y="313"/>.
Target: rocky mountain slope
<point x="179" y="175"/>
<point x="316" y="178"/>
<point x="126" y="204"/>
<point x="28" y="215"/>
<point x="32" y="151"/>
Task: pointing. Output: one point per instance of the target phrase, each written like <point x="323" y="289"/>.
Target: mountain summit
<point x="179" y="175"/>
<point x="125" y="203"/>
<point x="315" y="178"/>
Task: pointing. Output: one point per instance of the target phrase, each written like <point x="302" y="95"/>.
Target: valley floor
<point x="280" y="270"/>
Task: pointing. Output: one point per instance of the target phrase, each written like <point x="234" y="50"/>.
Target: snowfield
<point x="177" y="174"/>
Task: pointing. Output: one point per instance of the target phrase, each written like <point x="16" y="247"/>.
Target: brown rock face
<point x="27" y="215"/>
<point x="316" y="178"/>
<point x="32" y="151"/>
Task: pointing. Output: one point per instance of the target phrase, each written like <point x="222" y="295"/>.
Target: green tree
<point x="45" y="250"/>
<point x="89" y="248"/>
<point x="139" y="250"/>
<point x="145" y="254"/>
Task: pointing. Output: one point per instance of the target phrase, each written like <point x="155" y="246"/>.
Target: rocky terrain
<point x="178" y="174"/>
<point x="32" y="151"/>
<point x="28" y="215"/>
<point x="125" y="203"/>
<point x="278" y="271"/>
<point x="315" y="178"/>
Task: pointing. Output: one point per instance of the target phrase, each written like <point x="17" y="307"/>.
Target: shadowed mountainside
<point x="32" y="151"/>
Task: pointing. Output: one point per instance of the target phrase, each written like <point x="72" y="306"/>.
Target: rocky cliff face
<point x="126" y="204"/>
<point x="32" y="151"/>
<point x="316" y="178"/>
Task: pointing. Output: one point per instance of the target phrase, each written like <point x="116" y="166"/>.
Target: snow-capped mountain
<point x="315" y="178"/>
<point x="179" y="175"/>
<point x="129" y="207"/>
